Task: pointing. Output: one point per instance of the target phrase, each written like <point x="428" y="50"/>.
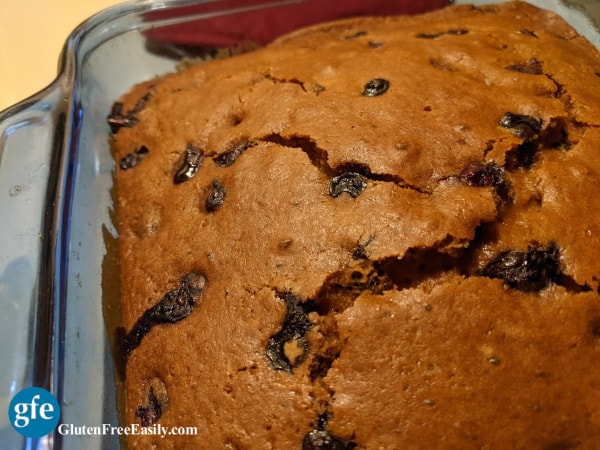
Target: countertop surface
<point x="32" y="34"/>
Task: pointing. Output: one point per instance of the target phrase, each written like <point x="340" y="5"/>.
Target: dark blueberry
<point x="322" y="420"/>
<point x="216" y="197"/>
<point x="451" y="31"/>
<point x="482" y="174"/>
<point x="150" y="413"/>
<point x="192" y="160"/>
<point x="228" y="157"/>
<point x="133" y="159"/>
<point x="350" y="182"/>
<point x="532" y="270"/>
<point x="375" y="44"/>
<point x="293" y="330"/>
<point x="375" y="87"/>
<point x="532" y="66"/>
<point x="141" y="103"/>
<point x="323" y="440"/>
<point x="117" y="119"/>
<point x="457" y="31"/>
<point x="429" y="35"/>
<point x="521" y="125"/>
<point x="360" y="252"/>
<point x="175" y="306"/>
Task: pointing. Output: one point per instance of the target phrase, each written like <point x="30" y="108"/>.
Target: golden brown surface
<point x="407" y="325"/>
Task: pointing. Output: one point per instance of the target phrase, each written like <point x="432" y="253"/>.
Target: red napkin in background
<point x="261" y="26"/>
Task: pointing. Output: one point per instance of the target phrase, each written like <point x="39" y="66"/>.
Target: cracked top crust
<point x="451" y="284"/>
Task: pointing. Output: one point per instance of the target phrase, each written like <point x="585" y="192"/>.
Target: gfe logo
<point x="34" y="412"/>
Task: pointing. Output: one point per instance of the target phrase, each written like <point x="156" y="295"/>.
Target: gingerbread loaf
<point x="375" y="233"/>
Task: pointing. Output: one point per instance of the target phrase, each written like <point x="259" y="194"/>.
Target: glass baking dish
<point x="56" y="176"/>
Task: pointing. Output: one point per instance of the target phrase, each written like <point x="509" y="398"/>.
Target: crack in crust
<point x="318" y="157"/>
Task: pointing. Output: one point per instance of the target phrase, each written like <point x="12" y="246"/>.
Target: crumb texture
<point x="376" y="233"/>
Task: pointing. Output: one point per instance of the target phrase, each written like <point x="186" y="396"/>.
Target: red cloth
<point x="261" y="26"/>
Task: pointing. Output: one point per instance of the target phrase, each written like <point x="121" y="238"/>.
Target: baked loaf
<point x="377" y="233"/>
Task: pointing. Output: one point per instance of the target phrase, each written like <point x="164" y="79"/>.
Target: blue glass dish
<point x="56" y="176"/>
